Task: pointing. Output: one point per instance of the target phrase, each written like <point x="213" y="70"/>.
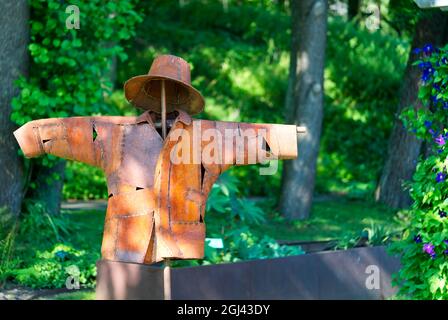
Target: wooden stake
<point x="167" y="280"/>
<point x="163" y="101"/>
<point x="167" y="262"/>
<point x="301" y="129"/>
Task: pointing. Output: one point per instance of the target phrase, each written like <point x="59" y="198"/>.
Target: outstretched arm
<point x="250" y="143"/>
<point x="68" y="138"/>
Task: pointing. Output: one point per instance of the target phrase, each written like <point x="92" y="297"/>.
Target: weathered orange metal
<point x="144" y="91"/>
<point x="156" y="206"/>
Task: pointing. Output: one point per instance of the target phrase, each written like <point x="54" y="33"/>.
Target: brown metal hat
<point x="144" y="91"/>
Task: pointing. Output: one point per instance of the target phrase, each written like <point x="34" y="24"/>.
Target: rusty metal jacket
<point x="156" y="207"/>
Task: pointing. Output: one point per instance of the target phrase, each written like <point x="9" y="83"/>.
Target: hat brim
<point x="134" y="93"/>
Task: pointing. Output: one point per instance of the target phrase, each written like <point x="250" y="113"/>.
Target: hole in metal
<point x="94" y="133"/>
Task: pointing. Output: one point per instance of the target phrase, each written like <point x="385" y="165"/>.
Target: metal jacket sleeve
<point x="250" y="143"/>
<point x="68" y="138"/>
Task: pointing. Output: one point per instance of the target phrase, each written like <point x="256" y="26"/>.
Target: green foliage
<point x="8" y="231"/>
<point x="84" y="182"/>
<point x="37" y="219"/>
<point x="46" y="249"/>
<point x="50" y="268"/>
<point x="424" y="249"/>
<point x="225" y="199"/>
<point x="374" y="235"/>
<point x="242" y="244"/>
<point x="362" y="78"/>
<point x="404" y="15"/>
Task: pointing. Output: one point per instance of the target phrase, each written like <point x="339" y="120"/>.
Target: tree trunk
<point x="353" y="8"/>
<point x="13" y="62"/>
<point x="290" y="99"/>
<point x="307" y="96"/>
<point x="49" y="182"/>
<point x="404" y="148"/>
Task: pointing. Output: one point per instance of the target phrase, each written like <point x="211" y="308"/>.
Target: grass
<point x="330" y="219"/>
<point x="75" y="295"/>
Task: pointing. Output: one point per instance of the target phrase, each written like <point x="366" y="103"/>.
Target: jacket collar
<point x="149" y="116"/>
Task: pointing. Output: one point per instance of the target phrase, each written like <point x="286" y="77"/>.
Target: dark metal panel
<point x="324" y="275"/>
<point x="128" y="281"/>
<point x="221" y="281"/>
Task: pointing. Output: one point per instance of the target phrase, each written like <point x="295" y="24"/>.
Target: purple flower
<point x="445" y="105"/>
<point x="425" y="65"/>
<point x="439" y="151"/>
<point x="418" y="238"/>
<point x="440" y="140"/>
<point x="442" y="214"/>
<point x="428" y="124"/>
<point x="436" y="86"/>
<point x="417" y="51"/>
<point x="434" y="99"/>
<point x="428" y="48"/>
<point x="440" y="177"/>
<point x="429" y="249"/>
<point x="426" y="76"/>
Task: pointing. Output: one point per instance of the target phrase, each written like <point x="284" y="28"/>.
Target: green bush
<point x="52" y="267"/>
<point x="43" y="250"/>
<point x="84" y="182"/>
<point x="424" y="250"/>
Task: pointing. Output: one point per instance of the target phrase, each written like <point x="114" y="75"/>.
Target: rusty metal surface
<point x="156" y="207"/>
<point x="325" y="275"/>
<point x="144" y="91"/>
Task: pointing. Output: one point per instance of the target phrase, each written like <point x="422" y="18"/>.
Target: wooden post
<point x="301" y="129"/>
<point x="167" y="280"/>
<point x="163" y="102"/>
<point x="167" y="262"/>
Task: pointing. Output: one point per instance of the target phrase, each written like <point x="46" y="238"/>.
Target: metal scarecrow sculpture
<point x="161" y="165"/>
